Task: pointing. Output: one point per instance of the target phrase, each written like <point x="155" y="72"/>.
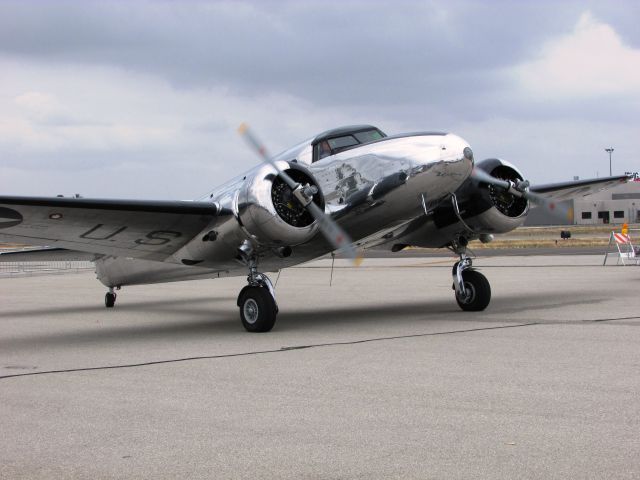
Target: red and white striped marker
<point x="621" y="238"/>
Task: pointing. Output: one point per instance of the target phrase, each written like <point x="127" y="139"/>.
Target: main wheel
<point x="477" y="292"/>
<point x="109" y="300"/>
<point x="257" y="309"/>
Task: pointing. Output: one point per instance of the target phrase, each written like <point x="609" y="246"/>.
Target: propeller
<point x="338" y="238"/>
<point x="520" y="188"/>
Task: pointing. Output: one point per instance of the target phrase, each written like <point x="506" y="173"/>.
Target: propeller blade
<point x="338" y="238"/>
<point x="480" y="175"/>
<point x="261" y="150"/>
<point x="336" y="235"/>
<point x="560" y="211"/>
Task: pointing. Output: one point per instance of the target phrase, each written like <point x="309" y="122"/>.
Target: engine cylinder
<point x="270" y="213"/>
<point x="495" y="210"/>
<point x="485" y="208"/>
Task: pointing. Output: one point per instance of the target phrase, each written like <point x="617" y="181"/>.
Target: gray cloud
<point x="414" y="65"/>
<point x="333" y="52"/>
<point x="337" y="53"/>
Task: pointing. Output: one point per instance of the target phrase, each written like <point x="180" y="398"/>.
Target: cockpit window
<point x="331" y="145"/>
<point x="322" y="150"/>
<point x="368" y="136"/>
<point x="339" y="143"/>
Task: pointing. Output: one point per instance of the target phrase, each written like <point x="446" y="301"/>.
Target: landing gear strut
<point x="257" y="301"/>
<point x="473" y="292"/>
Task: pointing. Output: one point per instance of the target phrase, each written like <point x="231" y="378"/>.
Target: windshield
<point x="332" y="145"/>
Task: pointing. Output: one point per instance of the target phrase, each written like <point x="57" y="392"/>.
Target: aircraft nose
<point x="457" y="156"/>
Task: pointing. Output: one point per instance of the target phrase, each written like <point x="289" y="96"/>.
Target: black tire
<point x="257" y="309"/>
<point x="109" y="300"/>
<point x="478" y="292"/>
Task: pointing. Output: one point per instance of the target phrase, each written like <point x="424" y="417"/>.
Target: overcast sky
<point x="142" y="99"/>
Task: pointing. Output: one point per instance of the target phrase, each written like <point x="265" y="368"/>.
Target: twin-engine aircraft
<point x="348" y="190"/>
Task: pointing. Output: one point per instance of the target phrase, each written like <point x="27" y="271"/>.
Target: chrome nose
<point x="468" y="154"/>
<point x="458" y="156"/>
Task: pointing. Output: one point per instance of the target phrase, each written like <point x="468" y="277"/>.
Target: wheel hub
<point x="250" y="310"/>
<point x="469" y="293"/>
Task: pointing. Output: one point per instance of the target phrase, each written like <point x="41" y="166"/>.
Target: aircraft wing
<point x="46" y="254"/>
<point x="578" y="188"/>
<point x="151" y="230"/>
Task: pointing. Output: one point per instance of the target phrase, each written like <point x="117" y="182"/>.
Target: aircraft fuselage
<point x="370" y="190"/>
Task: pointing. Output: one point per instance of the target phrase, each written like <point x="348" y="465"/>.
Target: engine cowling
<point x="270" y="213"/>
<point x="486" y="208"/>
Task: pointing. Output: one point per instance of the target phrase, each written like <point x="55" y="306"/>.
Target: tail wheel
<point x="258" y="309"/>
<point x="477" y="292"/>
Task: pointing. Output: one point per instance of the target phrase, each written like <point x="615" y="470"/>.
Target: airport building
<point x="616" y="205"/>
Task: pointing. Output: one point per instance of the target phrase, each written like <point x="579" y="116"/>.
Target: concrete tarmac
<point x="378" y="376"/>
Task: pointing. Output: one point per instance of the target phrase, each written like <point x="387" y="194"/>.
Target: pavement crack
<point x="298" y="347"/>
<point x="413" y="335"/>
<point x="259" y="352"/>
<point x="612" y="319"/>
<point x="263" y="352"/>
<point x="586" y="321"/>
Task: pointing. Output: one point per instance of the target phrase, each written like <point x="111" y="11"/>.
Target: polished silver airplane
<point x="346" y="190"/>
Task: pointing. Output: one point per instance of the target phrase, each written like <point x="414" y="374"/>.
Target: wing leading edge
<point x="578" y="188"/>
<point x="151" y="230"/>
<point x="46" y="254"/>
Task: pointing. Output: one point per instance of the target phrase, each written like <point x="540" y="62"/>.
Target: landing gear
<point x="258" y="309"/>
<point x="257" y="301"/>
<point x="473" y="292"/>
<point x="477" y="292"/>
<point x="110" y="298"/>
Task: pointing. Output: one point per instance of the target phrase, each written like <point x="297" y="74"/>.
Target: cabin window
<point x="618" y="214"/>
<point x="586" y="215"/>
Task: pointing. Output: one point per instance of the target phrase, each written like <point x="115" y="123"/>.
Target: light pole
<point x="609" y="151"/>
